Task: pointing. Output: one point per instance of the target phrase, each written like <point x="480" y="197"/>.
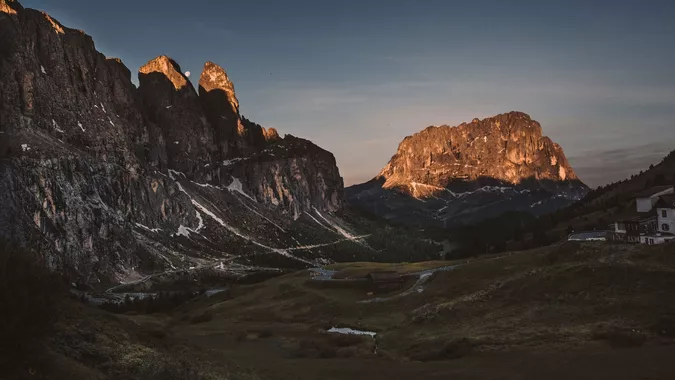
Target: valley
<point x="587" y="310"/>
<point x="150" y="231"/>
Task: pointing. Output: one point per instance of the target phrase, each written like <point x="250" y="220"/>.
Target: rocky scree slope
<point x="115" y="182"/>
<point x="451" y="175"/>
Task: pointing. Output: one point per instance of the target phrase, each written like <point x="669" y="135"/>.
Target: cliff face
<point x="113" y="181"/>
<point x="502" y="159"/>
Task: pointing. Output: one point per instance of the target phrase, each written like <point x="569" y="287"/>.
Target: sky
<point x="356" y="77"/>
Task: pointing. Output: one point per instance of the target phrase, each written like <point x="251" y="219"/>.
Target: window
<point x="664" y="213"/>
<point x="651" y="241"/>
<point x="665" y="227"/>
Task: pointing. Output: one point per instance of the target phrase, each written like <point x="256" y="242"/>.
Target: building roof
<point x="635" y="216"/>
<point x="666" y="201"/>
<point x="653" y="191"/>
<point x="588" y="236"/>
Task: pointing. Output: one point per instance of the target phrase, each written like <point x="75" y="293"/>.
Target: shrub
<point x="565" y="252"/>
<point x="201" y="318"/>
<point x="315" y="349"/>
<point x="433" y="351"/>
<point x="346" y="340"/>
<point x="29" y="298"/>
<point x="160" y="367"/>
<point x="621" y="338"/>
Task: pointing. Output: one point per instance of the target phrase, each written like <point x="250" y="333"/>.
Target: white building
<point x="665" y="209"/>
<point x="647" y="199"/>
<point x="653" y="221"/>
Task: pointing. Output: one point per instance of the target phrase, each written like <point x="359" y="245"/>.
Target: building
<point x="647" y="199"/>
<point x="630" y="226"/>
<point x="665" y="209"/>
<point x="652" y="222"/>
<point x="385" y="280"/>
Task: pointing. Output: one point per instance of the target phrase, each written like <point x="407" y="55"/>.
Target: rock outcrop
<point x="113" y="182"/>
<point x="505" y="155"/>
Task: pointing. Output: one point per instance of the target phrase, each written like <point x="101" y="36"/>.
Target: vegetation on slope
<point x="517" y="231"/>
<point x="544" y="305"/>
<point x="47" y="334"/>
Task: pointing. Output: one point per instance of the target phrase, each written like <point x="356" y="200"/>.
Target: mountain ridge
<point x="117" y="183"/>
<point x="506" y="154"/>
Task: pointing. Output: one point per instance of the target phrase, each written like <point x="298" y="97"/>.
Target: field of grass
<point x="591" y="310"/>
<point x="537" y="313"/>
<point x="361" y="270"/>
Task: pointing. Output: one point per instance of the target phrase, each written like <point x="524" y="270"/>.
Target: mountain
<point x="116" y="183"/>
<point x="445" y="176"/>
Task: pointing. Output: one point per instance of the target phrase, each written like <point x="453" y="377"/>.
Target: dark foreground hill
<point x="591" y="311"/>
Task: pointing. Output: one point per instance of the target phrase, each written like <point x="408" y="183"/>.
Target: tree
<point x="660" y="180"/>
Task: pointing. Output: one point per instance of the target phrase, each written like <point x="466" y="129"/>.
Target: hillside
<point x="577" y="310"/>
<point x="118" y="184"/>
<point x="602" y="205"/>
<point x="447" y="176"/>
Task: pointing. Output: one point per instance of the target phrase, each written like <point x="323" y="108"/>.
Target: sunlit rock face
<point x="113" y="182"/>
<point x="505" y="155"/>
<point x="177" y="121"/>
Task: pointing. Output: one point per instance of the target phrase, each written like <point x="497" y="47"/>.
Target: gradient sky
<point x="356" y="77"/>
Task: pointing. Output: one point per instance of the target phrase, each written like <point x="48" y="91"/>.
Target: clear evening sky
<point x="356" y="77"/>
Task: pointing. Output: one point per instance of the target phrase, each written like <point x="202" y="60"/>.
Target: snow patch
<point x="42" y="68"/>
<point x="349" y="331"/>
<point x="167" y="107"/>
<point x="103" y="108"/>
<point x="236" y="186"/>
<point x="232" y="161"/>
<point x="80" y="125"/>
<point x="207" y="185"/>
<point x="155" y="230"/>
<point x="183" y="231"/>
<point x="200" y="207"/>
<point x="173" y="173"/>
<point x="25" y="147"/>
<point x="200" y="222"/>
<point x="339" y="229"/>
<point x="56" y="127"/>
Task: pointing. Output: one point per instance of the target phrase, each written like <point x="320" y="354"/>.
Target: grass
<point x="583" y="310"/>
<point x="362" y="269"/>
<point x="552" y="295"/>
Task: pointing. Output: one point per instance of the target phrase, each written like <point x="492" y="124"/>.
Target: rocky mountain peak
<point x="167" y="67"/>
<point x="213" y="78"/>
<point x="507" y="148"/>
<point x="470" y="172"/>
<point x="8" y="6"/>
<point x="112" y="181"/>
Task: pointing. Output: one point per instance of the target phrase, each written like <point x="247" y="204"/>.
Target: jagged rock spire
<point x="171" y="102"/>
<point x="214" y="78"/>
<point x="507" y="148"/>
<point x="169" y="68"/>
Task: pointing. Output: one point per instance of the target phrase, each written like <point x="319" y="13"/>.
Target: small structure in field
<point x="588" y="236"/>
<point x="385" y="280"/>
